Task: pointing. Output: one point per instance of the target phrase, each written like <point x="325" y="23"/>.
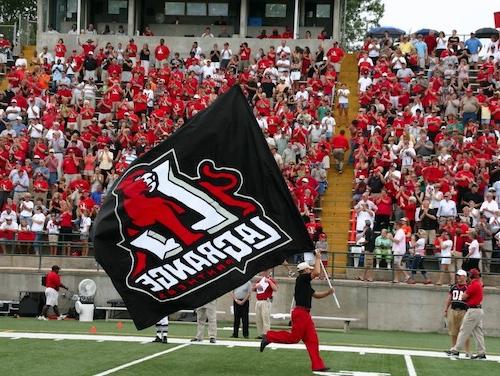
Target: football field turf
<point x="30" y="347"/>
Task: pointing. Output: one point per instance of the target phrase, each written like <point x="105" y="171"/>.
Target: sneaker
<point x="411" y="282"/>
<point x="59" y="318"/>
<point x="195" y="339"/>
<point x="212" y="340"/>
<point x="264" y="343"/>
<point x="452" y="353"/>
<point x="164" y="340"/>
<point x="259" y="337"/>
<point x="157" y="340"/>
<point x="43" y="318"/>
<point x="478" y="356"/>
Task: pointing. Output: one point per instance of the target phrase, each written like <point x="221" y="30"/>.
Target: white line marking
<point x="220" y="342"/>
<point x="58" y="339"/>
<point x="15" y="338"/>
<point x="410" y="366"/>
<point x="351" y="373"/>
<point x="146" y="358"/>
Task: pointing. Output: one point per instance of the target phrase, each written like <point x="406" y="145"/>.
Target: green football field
<point x="31" y="347"/>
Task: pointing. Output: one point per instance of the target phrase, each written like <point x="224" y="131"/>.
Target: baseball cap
<point x="303" y="266"/>
<point x="461" y="272"/>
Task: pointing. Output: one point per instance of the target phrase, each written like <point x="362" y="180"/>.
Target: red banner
<point x="497" y="19"/>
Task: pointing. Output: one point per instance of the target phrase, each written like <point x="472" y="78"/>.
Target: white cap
<point x="303" y="266"/>
<point x="462" y="272"/>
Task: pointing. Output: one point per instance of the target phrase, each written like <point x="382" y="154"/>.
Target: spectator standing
<point x="241" y="304"/>
<point x="398" y="251"/>
<point x="52" y="228"/>
<point x="369" y="246"/>
<point x="469" y="106"/>
<point x="161" y="54"/>
<point x="204" y="313"/>
<point x="264" y="289"/>
<point x="417" y="254"/>
<point x="485" y="233"/>
<point x="473" y="255"/>
<point x="85" y="223"/>
<point x="37" y="226"/>
<point x="445" y="246"/>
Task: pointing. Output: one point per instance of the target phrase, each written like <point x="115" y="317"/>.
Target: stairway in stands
<point x="28" y="51"/>
<point x="336" y="202"/>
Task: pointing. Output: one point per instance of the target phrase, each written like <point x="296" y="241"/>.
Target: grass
<point x="42" y="357"/>
<point x="38" y="357"/>
<point x="356" y="337"/>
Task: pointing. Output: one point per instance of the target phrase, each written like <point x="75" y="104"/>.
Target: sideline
<point x="181" y="341"/>
<point x="146" y="358"/>
<point x="410" y="366"/>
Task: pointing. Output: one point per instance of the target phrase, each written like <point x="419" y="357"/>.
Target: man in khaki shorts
<point x="455" y="308"/>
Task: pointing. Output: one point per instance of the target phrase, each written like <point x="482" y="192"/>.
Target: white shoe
<point x="43" y="318"/>
<point x="59" y="318"/>
<point x="388" y="266"/>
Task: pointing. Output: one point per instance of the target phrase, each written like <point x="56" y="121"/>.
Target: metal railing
<point x="489" y="266"/>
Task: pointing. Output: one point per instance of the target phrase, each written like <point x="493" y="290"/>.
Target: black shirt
<point x="303" y="290"/>
<point x="428" y="223"/>
<point x="477" y="197"/>
<point x="370" y="240"/>
<point x="456" y="292"/>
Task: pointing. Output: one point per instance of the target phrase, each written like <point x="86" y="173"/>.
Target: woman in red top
<point x="384" y="211"/>
<point x="60" y="51"/>
<point x="66" y="227"/>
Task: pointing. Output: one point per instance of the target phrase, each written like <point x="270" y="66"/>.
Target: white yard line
<point x="410" y="366"/>
<point x="146" y="358"/>
<point x="178" y="341"/>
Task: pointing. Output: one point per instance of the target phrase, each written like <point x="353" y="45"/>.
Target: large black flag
<point x="198" y="215"/>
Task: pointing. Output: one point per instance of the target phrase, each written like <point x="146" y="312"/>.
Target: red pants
<point x="302" y="329"/>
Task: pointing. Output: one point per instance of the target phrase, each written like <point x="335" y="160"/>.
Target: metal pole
<point x="330" y="285"/>
<point x="296" y="20"/>
<point x="78" y="15"/>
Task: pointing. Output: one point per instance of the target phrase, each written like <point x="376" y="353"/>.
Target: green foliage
<point x="361" y="15"/>
<point x="12" y="10"/>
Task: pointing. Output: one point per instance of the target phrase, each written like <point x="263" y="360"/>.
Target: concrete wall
<point x="378" y="306"/>
<point x="176" y="44"/>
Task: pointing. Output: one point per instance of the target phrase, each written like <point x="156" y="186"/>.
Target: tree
<point x="12" y="10"/>
<point x="360" y="16"/>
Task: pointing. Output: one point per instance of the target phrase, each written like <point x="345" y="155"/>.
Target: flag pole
<point x="330" y="284"/>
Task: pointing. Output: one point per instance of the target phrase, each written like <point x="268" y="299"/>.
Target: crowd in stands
<point x="72" y="121"/>
<point x="425" y="149"/>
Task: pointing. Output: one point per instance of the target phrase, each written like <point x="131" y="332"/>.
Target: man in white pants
<point x="264" y="289"/>
<point x="207" y="311"/>
<point x="52" y="285"/>
<point x="162" y="331"/>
